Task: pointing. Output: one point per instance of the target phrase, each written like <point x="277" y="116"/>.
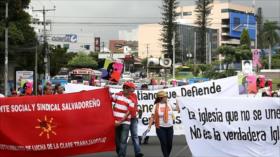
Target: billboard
<point x="97" y="44"/>
<point x="71" y="38"/>
<point x="240" y="21"/>
<point x="22" y="79"/>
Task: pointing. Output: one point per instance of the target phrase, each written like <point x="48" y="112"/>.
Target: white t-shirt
<point x="1" y="95"/>
<point x="161" y="110"/>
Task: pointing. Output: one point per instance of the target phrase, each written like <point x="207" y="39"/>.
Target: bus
<point x="84" y="76"/>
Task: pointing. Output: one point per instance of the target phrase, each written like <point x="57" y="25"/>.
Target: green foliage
<point x="259" y="19"/>
<point x="168" y="27"/>
<point x="203" y="10"/>
<point x="144" y="62"/>
<point x="58" y="59"/>
<point x="270" y="35"/>
<point x="195" y="69"/>
<point x="22" y="39"/>
<point x="243" y="53"/>
<point x="229" y="53"/>
<point x="275" y="62"/>
<point x="94" y="56"/>
<point x="82" y="61"/>
<point x="245" y="38"/>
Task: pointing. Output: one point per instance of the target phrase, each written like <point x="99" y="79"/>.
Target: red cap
<point x="129" y="84"/>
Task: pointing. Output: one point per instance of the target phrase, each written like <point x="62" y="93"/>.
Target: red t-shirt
<point x="122" y="105"/>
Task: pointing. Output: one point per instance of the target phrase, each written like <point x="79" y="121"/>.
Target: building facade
<point x="230" y="20"/>
<point x="151" y="46"/>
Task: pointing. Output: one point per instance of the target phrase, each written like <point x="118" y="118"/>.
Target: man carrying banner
<point x="122" y="109"/>
<point x="134" y="120"/>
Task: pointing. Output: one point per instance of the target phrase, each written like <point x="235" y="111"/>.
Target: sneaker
<point x="139" y="155"/>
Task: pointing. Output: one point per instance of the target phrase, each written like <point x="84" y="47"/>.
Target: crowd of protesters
<point x="126" y="114"/>
<point x="28" y="90"/>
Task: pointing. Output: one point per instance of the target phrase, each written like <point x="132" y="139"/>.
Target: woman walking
<point x="162" y="117"/>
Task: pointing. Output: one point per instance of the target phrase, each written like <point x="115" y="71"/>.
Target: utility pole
<point x="36" y="70"/>
<point x="147" y="60"/>
<point x="269" y="56"/>
<point x="194" y="47"/>
<point x="210" y="52"/>
<point x="6" y="50"/>
<point x="103" y="45"/>
<point x="173" y="57"/>
<point x="206" y="47"/>
<point x="46" y="53"/>
<point x="256" y="28"/>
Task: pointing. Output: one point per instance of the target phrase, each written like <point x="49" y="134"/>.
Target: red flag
<point x="57" y="125"/>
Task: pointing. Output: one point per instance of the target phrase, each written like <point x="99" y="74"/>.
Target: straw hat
<point x="161" y="94"/>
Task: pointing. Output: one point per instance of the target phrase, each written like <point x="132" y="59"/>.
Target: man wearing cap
<point x="122" y="109"/>
<point x="134" y="121"/>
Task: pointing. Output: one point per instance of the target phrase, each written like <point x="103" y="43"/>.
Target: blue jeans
<point x="121" y="139"/>
<point x="165" y="135"/>
<point x="134" y="135"/>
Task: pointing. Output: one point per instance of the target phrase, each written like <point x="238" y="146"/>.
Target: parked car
<point x="126" y="75"/>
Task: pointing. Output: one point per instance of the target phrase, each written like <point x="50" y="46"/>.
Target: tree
<point x="243" y="52"/>
<point x="245" y="38"/>
<point x="82" y="61"/>
<point x="169" y="27"/>
<point x="259" y="18"/>
<point x="203" y="10"/>
<point x="58" y="59"/>
<point x="270" y="34"/>
<point x="22" y="38"/>
<point x="229" y="53"/>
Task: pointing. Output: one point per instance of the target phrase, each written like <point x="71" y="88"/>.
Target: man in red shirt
<point x="134" y="122"/>
<point x="123" y="106"/>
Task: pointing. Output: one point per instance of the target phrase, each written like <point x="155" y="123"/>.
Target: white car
<point x="126" y="75"/>
<point x="60" y="77"/>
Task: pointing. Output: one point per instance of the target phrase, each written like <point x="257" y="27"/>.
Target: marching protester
<point x="134" y="121"/>
<point x="48" y="90"/>
<point x="162" y="117"/>
<point x="122" y="109"/>
<point x="58" y="89"/>
<point x="146" y="139"/>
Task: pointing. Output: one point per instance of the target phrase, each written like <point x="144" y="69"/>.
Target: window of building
<point x="187" y="13"/>
<point x="236" y="22"/>
<point x="225" y="10"/>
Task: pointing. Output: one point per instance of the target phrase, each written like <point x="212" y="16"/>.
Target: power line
<point x="157" y="0"/>
<point x="109" y="17"/>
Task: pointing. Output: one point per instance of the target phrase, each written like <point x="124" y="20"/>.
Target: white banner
<point x="228" y="126"/>
<point x="73" y="88"/>
<point x="221" y="87"/>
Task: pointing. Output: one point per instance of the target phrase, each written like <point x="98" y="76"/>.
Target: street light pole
<point x="269" y="56"/>
<point x="194" y="47"/>
<point x="46" y="58"/>
<point x="173" y="62"/>
<point x="36" y="70"/>
<point x="256" y="29"/>
<point x="6" y="51"/>
<point x="147" y="60"/>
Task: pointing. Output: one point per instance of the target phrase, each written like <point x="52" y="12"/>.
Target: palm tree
<point x="203" y="11"/>
<point x="270" y="37"/>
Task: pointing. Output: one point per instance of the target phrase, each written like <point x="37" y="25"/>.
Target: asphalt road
<point x="179" y="149"/>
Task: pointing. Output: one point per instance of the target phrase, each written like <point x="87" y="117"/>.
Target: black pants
<point x="165" y="135"/>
